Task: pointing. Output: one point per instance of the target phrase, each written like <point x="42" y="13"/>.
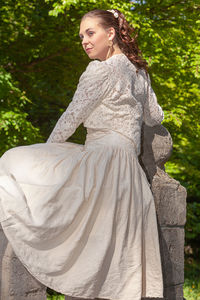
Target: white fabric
<point x="111" y="95"/>
<point x="81" y="218"/>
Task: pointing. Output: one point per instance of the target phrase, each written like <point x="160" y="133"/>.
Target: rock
<point x="16" y="282"/>
<point x="170" y="202"/>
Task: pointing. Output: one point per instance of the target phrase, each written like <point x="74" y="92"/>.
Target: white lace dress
<point x="81" y="218"/>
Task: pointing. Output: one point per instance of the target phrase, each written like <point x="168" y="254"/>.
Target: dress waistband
<point x="106" y="137"/>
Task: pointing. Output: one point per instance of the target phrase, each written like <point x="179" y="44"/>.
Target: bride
<point x="81" y="218"/>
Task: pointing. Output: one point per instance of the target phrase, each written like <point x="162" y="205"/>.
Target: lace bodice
<point x="110" y="94"/>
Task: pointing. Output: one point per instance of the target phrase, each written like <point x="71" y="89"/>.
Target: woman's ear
<point x="111" y="33"/>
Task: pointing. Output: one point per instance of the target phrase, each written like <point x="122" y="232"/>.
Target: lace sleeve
<point x="153" y="113"/>
<point x="94" y="84"/>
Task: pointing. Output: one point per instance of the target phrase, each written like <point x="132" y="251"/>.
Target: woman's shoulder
<point x="107" y="64"/>
<point x="96" y="70"/>
<point x="115" y="68"/>
<point x="99" y="66"/>
<point x="122" y="65"/>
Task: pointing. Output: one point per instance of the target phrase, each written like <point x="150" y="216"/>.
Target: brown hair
<point x="123" y="31"/>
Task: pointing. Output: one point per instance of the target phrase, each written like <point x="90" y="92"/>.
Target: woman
<point x="81" y="218"/>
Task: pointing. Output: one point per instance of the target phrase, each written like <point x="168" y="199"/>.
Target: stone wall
<point x="170" y="199"/>
<point x="16" y="283"/>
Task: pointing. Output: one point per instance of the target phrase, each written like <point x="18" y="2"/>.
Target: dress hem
<point x="71" y="294"/>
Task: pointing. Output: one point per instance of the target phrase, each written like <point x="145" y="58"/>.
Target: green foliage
<point x="192" y="281"/>
<point x="53" y="295"/>
<point x="191" y="289"/>
<point x="15" y="129"/>
<point x="169" y="35"/>
<point x="193" y="227"/>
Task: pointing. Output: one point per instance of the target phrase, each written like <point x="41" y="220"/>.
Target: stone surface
<point x="3" y="245"/>
<point x="174" y="292"/>
<point x="156" y="149"/>
<point x="170" y="199"/>
<point x="16" y="282"/>
<point x="172" y="255"/>
<point x="170" y="202"/>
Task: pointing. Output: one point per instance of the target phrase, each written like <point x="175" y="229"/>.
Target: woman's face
<point x="95" y="39"/>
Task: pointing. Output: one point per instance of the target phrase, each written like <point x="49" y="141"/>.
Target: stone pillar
<point x="16" y="283"/>
<point x="170" y="201"/>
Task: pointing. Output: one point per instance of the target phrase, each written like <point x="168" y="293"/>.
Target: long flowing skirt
<point x="81" y="218"/>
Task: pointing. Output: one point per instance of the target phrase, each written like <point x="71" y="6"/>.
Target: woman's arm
<point x="153" y="113"/>
<point x="93" y="86"/>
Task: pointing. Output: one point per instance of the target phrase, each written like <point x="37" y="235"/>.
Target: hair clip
<point x="116" y="15"/>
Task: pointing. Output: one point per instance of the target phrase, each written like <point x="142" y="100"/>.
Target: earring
<point x="111" y="49"/>
<point x="110" y="43"/>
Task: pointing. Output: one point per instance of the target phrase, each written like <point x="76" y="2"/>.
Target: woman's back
<point x="112" y="95"/>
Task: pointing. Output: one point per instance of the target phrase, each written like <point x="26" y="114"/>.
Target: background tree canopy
<point x="42" y="59"/>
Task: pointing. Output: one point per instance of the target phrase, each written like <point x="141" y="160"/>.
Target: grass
<point x="191" y="289"/>
<point x="192" y="279"/>
<point x="52" y="295"/>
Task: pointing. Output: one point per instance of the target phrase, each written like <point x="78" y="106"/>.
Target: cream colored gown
<point x="81" y="218"/>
